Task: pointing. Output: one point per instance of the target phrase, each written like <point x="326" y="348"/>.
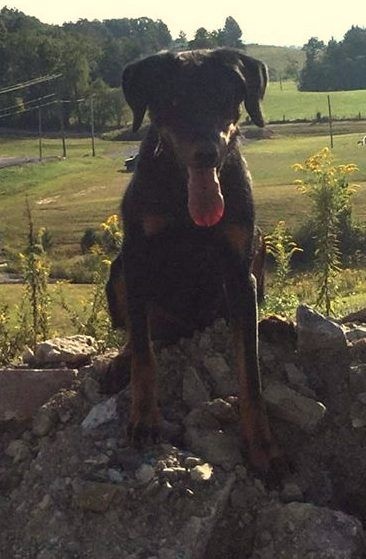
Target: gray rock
<point x="95" y="497"/>
<point x="23" y="391"/>
<point x="304" y="531"/>
<point x="217" y="447"/>
<point x="73" y="351"/>
<point x="194" y="390"/>
<point x="355" y="334"/>
<point x="203" y="472"/>
<point x="357" y="378"/>
<point x="317" y="333"/>
<point x="91" y="390"/>
<point x="222" y="410"/>
<point x="224" y="378"/>
<point x="101" y="413"/>
<point x="294" y="375"/>
<point x="295" y="408"/>
<point x="192" y="461"/>
<point x="145" y="473"/>
<point x="291" y="492"/>
<point x="18" y="450"/>
<point x="44" y="420"/>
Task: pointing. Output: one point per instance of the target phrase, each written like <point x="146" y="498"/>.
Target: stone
<point x="224" y="378"/>
<point x="194" y="390"/>
<point x="73" y="351"/>
<point x="295" y="408"/>
<point x="202" y="472"/>
<point x="217" y="447"/>
<point x="44" y="420"/>
<point x="294" y="375"/>
<point x="91" y="390"/>
<point x="302" y="530"/>
<point x="357" y="378"/>
<point x="145" y="473"/>
<point x="192" y="461"/>
<point x="23" y="391"/>
<point x="222" y="410"/>
<point x="291" y="492"/>
<point x="317" y="333"/>
<point x="355" y="334"/>
<point x="101" y="413"/>
<point x="95" y="497"/>
<point x="18" y="450"/>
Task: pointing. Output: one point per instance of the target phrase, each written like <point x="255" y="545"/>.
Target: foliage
<point x="279" y="244"/>
<point x="327" y="186"/>
<point x="36" y="269"/>
<point x="281" y="247"/>
<point x="94" y="320"/>
<point x="337" y="65"/>
<point x="14" y="332"/>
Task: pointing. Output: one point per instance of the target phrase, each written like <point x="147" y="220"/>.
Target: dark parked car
<point x="130" y="162"/>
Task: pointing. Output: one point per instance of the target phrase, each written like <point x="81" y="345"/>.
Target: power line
<point x="22" y="111"/>
<point x="28" y="83"/>
<point x="14" y="113"/>
<point x="2" y="110"/>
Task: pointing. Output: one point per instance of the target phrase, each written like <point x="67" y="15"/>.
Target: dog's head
<point x="194" y="99"/>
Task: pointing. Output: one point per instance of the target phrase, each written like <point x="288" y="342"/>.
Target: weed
<point x="327" y="186"/>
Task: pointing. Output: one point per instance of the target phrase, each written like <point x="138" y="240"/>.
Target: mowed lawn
<point x="68" y="196"/>
<point x="284" y="101"/>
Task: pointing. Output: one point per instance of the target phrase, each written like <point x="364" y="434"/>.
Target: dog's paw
<point x="145" y="423"/>
<point x="140" y="433"/>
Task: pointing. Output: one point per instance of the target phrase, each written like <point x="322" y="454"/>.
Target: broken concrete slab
<point x="293" y="407"/>
<point x="23" y="391"/>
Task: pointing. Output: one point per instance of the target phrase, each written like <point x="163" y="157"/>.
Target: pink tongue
<point x="205" y="201"/>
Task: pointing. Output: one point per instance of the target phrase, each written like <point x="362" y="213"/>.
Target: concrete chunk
<point x="295" y="408"/>
<point x="23" y="391"/>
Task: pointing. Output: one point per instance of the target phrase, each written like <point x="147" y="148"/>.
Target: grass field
<point x="288" y="103"/>
<point x="68" y="196"/>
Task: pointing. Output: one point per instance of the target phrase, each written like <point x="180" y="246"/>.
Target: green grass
<point x="68" y="196"/>
<point x="60" y="322"/>
<point x="290" y="104"/>
<point x="352" y="296"/>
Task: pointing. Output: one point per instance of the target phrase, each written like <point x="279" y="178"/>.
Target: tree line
<point x="336" y="66"/>
<point x="90" y="56"/>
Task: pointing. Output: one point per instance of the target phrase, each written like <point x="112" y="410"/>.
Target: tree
<point x="231" y="34"/>
<point x="203" y="39"/>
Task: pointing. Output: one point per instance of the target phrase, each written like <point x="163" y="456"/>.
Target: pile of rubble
<point x="72" y="487"/>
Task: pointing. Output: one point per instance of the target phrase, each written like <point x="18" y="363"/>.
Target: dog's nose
<point x="207" y="156"/>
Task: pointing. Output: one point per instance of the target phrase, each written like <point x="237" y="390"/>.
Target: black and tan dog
<point x="188" y="219"/>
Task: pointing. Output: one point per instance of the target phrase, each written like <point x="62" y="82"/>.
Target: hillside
<point x="279" y="59"/>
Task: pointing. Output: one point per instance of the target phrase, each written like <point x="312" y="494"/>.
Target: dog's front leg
<point x="242" y="302"/>
<point x="144" y="413"/>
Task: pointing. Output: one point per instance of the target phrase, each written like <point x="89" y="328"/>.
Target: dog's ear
<point x="254" y="74"/>
<point x="143" y="81"/>
<point x="251" y="79"/>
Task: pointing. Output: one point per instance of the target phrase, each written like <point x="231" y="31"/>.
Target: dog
<point x="190" y="250"/>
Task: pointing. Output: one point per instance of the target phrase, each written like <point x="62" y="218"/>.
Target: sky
<point x="266" y="22"/>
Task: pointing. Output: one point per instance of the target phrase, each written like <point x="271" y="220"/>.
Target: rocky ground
<point x="72" y="487"/>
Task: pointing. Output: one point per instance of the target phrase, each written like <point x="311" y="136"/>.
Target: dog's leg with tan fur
<point x="241" y="296"/>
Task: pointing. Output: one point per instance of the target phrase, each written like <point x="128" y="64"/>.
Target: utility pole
<point x="330" y="123"/>
<point x="40" y="132"/>
<point x="62" y="126"/>
<point x="92" y="123"/>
